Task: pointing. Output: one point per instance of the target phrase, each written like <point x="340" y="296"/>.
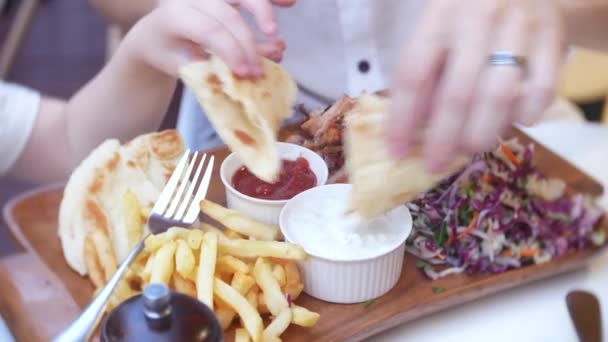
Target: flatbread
<point x="93" y="196"/>
<point x="246" y="113"/>
<point x="381" y="183"/>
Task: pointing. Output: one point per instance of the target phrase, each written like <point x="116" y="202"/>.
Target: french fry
<point x="250" y="317"/>
<point x="242" y="283"/>
<point x="252" y="298"/>
<point x="105" y="253"/>
<point x="184" y="285"/>
<point x="238" y="222"/>
<point x="184" y="259"/>
<point x="251" y="249"/>
<point x="304" y="317"/>
<point x="278" y="272"/>
<point x="241" y="335"/>
<point x="194" y="238"/>
<point x="206" y="269"/>
<point x="231" y="234"/>
<point x="262" y="308"/>
<point x="230" y="264"/>
<point x="292" y="273"/>
<point x="92" y="263"/>
<point x="225" y="315"/>
<point x="278" y="325"/>
<point x="156" y="241"/>
<point x="122" y="291"/>
<point x="273" y="296"/>
<point x="205" y="227"/>
<point x="164" y="264"/>
<point x="294" y="290"/>
<point x="134" y="223"/>
<point x="147" y="272"/>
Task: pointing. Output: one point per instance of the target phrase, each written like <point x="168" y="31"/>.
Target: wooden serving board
<point x="40" y="294"/>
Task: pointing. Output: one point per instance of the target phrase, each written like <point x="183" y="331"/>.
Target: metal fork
<point x="175" y="207"/>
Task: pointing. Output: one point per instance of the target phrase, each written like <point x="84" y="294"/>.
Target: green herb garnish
<point x="368" y="303"/>
<point x="598" y="238"/>
<point x="465" y="216"/>
<point x="441" y="237"/>
<point x="420" y="264"/>
<point x="438" y="290"/>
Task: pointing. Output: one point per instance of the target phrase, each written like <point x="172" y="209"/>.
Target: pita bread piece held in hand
<point x="380" y="182"/>
<point x="246" y="113"/>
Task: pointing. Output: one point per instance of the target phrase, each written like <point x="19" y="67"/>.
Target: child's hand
<point x="180" y="31"/>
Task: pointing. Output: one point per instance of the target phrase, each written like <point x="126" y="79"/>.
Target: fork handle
<point x="82" y="328"/>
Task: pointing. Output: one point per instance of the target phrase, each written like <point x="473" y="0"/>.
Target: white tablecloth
<point x="535" y="312"/>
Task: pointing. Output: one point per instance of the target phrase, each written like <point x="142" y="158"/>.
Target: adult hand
<point x="179" y="31"/>
<point x="447" y="95"/>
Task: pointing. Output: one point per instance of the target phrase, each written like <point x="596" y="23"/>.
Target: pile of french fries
<point x="242" y="271"/>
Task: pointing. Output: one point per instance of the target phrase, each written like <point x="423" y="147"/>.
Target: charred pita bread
<point x="246" y="113"/>
<point x="94" y="193"/>
<point x="381" y="183"/>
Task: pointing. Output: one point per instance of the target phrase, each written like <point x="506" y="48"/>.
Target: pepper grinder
<point x="161" y="315"/>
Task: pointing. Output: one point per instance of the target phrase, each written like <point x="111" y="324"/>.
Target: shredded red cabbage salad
<point x="499" y="213"/>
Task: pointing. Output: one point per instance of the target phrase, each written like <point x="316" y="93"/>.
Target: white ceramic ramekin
<point x="349" y="281"/>
<point x="267" y="211"/>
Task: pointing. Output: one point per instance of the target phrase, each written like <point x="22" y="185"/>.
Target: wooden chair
<point x="585" y="79"/>
<point x="17" y="32"/>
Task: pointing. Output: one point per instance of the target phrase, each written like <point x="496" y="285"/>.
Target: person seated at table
<point x="462" y="70"/>
<point x="42" y="138"/>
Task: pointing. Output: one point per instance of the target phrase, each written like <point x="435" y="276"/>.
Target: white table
<point x="536" y="312"/>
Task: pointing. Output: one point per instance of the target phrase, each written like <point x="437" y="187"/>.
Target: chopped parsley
<point x="438" y="290"/>
<point x="441" y="238"/>
<point x="420" y="264"/>
<point x="368" y="303"/>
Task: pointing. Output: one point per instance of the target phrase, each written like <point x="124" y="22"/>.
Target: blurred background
<point x="55" y="46"/>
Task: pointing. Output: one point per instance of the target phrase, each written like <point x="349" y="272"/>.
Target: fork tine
<point x="200" y="194"/>
<point x="188" y="196"/>
<point x="165" y="196"/>
<point x="180" y="191"/>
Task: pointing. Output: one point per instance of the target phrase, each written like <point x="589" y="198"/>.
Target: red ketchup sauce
<point x="295" y="177"/>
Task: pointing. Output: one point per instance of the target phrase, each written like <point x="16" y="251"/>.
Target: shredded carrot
<point x="471" y="226"/>
<point x="486" y="179"/>
<point x="527" y="252"/>
<point x="441" y="256"/>
<point x="510" y="155"/>
<point x="507" y="253"/>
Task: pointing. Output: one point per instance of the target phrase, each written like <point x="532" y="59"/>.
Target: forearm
<point x="123" y="13"/>
<point x="586" y="23"/>
<point x="124" y="100"/>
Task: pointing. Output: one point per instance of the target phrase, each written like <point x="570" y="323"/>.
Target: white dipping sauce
<point x="317" y="220"/>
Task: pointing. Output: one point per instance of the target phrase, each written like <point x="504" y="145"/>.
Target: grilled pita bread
<point x="94" y="194"/>
<point x="246" y="113"/>
<point x="381" y="183"/>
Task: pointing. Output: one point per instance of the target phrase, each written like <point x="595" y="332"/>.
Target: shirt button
<point x="363" y="66"/>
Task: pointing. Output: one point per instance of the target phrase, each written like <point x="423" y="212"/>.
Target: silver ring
<point x="507" y="58"/>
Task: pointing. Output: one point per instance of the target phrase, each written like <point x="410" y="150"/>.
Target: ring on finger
<point x="500" y="58"/>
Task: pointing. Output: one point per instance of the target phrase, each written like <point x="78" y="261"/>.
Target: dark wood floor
<point x="64" y="49"/>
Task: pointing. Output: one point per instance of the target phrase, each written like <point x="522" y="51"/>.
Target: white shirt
<point x="18" y="111"/>
<point x="334" y="47"/>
